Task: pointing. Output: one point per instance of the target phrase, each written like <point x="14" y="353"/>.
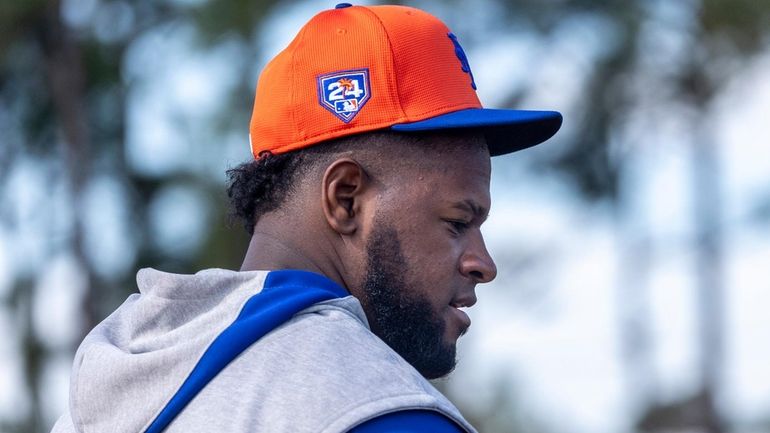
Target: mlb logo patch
<point x="344" y="92"/>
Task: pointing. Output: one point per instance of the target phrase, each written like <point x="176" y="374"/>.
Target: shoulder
<point x="323" y="371"/>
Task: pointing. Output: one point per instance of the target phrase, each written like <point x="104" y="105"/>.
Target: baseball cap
<point x="354" y="69"/>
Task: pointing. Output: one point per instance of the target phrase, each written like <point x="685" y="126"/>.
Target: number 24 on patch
<point x="344" y="87"/>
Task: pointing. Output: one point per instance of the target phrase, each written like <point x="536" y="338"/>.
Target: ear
<point x="344" y="185"/>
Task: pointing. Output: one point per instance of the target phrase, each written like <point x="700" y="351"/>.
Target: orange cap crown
<point x="354" y="69"/>
<point x="405" y="56"/>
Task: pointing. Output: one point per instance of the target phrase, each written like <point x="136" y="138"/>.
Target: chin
<point x="442" y="372"/>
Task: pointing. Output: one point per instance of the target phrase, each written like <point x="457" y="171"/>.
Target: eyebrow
<point x="470" y="206"/>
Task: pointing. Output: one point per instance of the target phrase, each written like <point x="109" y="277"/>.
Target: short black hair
<point x="262" y="185"/>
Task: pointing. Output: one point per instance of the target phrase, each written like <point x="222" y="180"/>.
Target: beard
<point x="398" y="314"/>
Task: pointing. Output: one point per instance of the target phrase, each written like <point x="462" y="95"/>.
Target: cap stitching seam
<point x="465" y="105"/>
<point x="392" y="57"/>
<point x="297" y="131"/>
<point x="296" y="145"/>
<point x="395" y="121"/>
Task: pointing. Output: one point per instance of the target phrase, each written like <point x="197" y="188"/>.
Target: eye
<point x="457" y="227"/>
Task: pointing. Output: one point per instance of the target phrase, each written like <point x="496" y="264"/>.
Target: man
<point x="364" y="201"/>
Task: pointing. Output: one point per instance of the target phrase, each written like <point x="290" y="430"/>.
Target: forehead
<point x="465" y="178"/>
<point x="458" y="172"/>
<point x="447" y="151"/>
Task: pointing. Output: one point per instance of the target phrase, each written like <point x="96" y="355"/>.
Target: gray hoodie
<point x="322" y="370"/>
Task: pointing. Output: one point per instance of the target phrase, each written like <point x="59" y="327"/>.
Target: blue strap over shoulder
<point x="409" y="421"/>
<point x="285" y="293"/>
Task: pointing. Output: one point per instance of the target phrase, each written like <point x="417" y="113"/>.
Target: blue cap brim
<point x="506" y="131"/>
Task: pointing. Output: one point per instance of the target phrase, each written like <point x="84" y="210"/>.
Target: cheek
<point x="433" y="263"/>
<point x="431" y="246"/>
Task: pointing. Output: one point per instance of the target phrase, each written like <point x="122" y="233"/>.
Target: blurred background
<point x="633" y="248"/>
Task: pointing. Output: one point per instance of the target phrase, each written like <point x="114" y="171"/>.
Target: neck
<point x="271" y="251"/>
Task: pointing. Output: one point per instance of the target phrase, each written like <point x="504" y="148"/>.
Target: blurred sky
<point x="551" y="324"/>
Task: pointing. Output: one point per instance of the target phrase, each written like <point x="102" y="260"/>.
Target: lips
<point x="465" y="300"/>
<point x="461" y="316"/>
<point x="468" y="299"/>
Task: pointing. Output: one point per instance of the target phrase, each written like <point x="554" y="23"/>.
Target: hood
<point x="142" y="365"/>
<point x="132" y="363"/>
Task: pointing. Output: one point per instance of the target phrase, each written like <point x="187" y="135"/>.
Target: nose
<point x="476" y="263"/>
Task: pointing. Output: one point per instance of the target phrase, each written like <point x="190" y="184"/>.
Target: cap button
<point x="342" y="5"/>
